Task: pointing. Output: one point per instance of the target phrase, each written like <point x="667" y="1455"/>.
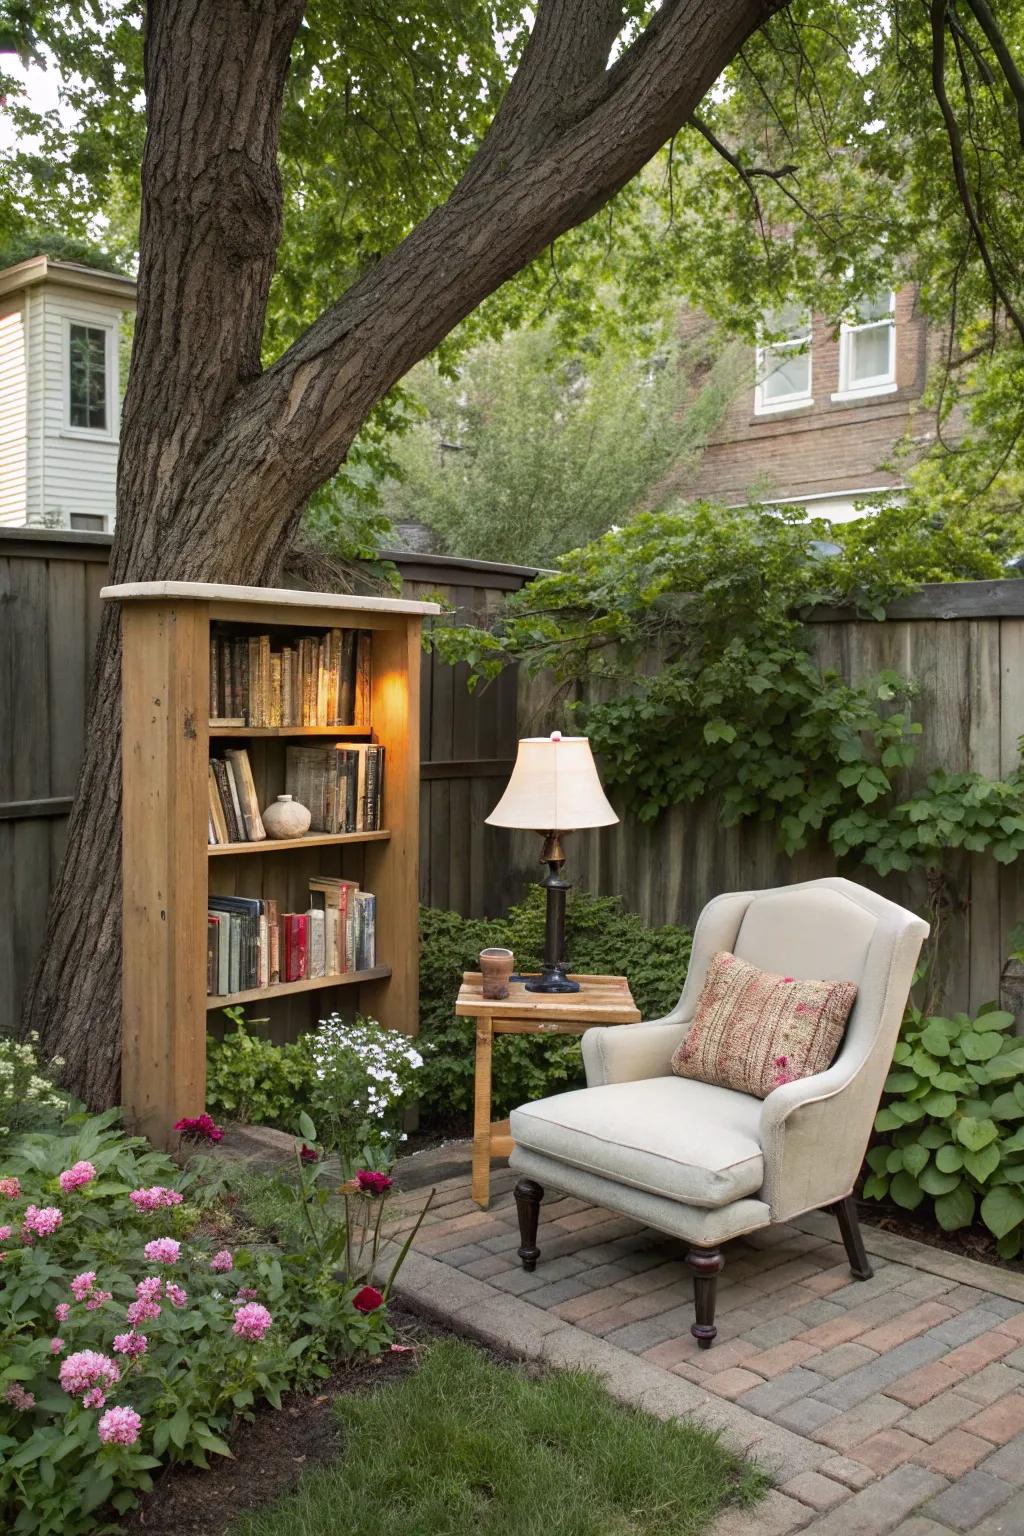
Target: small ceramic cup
<point x="496" y="967"/>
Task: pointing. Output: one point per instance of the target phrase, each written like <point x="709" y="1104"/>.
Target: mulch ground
<point x="273" y="1450"/>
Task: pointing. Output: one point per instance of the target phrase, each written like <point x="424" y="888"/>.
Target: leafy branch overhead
<point x="681" y="641"/>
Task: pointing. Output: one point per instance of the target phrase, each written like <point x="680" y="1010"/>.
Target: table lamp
<point x="554" y="789"/>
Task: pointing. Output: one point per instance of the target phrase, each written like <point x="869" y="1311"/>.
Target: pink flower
<point x="246" y="1293"/>
<point x="119" y="1426"/>
<point x="787" y="978"/>
<point x="97" y="1299"/>
<point x="11" y="1188"/>
<point x="222" y="1262"/>
<point x="372" y="1183"/>
<point x="155" y="1198"/>
<point x="5" y="1233"/>
<point x="74" y="1178"/>
<point x="251" y="1321"/>
<point x="86" y="1369"/>
<point x="94" y="1399"/>
<point x="150" y="1288"/>
<point x="162" y="1250"/>
<point x="130" y="1343"/>
<point x="201" y="1126"/>
<point x="40" y="1223"/>
<point x="82" y="1285"/>
<point x="19" y="1398"/>
<point x="142" y="1312"/>
<point x="368" y="1299"/>
<point x="56" y="1345"/>
<point x="176" y="1295"/>
<point x="62" y="1312"/>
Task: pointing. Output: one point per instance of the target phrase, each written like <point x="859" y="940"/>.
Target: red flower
<point x="309" y="1154"/>
<point x="372" y="1183"/>
<point x="368" y="1299"/>
<point x="201" y="1126"/>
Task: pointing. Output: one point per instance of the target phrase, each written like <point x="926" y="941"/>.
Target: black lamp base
<point x="551" y="979"/>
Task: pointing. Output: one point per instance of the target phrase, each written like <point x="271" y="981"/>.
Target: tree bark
<point x="218" y="459"/>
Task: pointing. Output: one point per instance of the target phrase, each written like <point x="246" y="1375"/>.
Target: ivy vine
<point x="680" y="647"/>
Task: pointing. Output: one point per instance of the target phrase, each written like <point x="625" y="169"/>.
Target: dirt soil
<point x="969" y="1243"/>
<point x="271" y="1452"/>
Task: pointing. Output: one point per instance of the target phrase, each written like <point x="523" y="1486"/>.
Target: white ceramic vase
<point x="286" y="818"/>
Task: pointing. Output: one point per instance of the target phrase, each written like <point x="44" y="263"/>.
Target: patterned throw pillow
<point x="754" y="1031"/>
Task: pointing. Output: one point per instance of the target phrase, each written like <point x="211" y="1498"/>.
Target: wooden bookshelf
<point x="168" y="869"/>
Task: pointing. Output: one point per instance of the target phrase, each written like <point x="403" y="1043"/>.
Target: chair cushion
<point x="680" y="1139"/>
<point x="752" y="1031"/>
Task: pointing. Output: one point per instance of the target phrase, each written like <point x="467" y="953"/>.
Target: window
<point x="867" y="349"/>
<point x="88" y="522"/>
<point x="784" y="367"/>
<point x="88" y="378"/>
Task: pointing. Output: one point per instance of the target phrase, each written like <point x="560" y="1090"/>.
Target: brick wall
<point x="826" y="448"/>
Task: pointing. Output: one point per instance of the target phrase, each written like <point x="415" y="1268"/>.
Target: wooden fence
<point x="963" y="644"/>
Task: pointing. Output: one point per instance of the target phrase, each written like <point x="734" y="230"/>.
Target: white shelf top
<point x="284" y="597"/>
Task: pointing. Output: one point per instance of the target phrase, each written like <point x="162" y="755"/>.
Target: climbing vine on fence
<point x="680" y="644"/>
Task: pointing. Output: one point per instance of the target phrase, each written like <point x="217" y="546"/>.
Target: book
<point x="234" y="831"/>
<point x="295" y="946"/>
<point x="315" y="936"/>
<point x="245" y="786"/>
<point x="321" y="679"/>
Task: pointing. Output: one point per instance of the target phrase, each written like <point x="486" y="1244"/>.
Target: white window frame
<point x="879" y="383"/>
<point x="798" y="399"/>
<point x="107" y="434"/>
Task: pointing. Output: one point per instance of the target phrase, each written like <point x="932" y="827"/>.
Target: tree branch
<point x="289" y="430"/>
<point x="1014" y="79"/>
<point x="938" y="28"/>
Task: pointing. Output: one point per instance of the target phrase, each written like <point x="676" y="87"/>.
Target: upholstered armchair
<point x="707" y="1164"/>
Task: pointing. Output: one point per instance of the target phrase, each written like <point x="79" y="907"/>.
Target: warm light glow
<point x="554" y="787"/>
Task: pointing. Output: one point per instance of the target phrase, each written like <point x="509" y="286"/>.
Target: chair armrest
<point x="814" y="1133"/>
<point x="628" y="1053"/>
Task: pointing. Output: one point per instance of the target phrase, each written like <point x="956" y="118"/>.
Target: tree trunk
<point x="217" y="458"/>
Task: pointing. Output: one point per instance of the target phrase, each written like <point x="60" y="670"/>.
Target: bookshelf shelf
<point x="170" y="873"/>
<point x="310" y="840"/>
<point x="311" y="984"/>
<point x="357" y="731"/>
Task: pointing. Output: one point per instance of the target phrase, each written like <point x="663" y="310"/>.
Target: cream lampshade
<point x="554" y="789"/>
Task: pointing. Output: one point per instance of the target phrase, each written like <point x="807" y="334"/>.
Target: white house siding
<point x="77" y="470"/>
<point x="12" y="413"/>
<point x="34" y="322"/>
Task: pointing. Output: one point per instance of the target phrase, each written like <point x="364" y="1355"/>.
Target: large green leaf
<point x="934" y="1183"/>
<point x="949" y="1159"/>
<point x="1007" y="1106"/>
<point x="956" y="1209"/>
<point x="877" y="1187"/>
<point x="995" y="1018"/>
<point x="885" y="1120"/>
<point x="981" y="1165"/>
<point x="975" y="1134"/>
<point x="1002" y="1209"/>
<point x="906" y="1191"/>
<point x="940" y="1105"/>
<point x="901" y="1082"/>
<point x="935" y="1039"/>
<point x="980" y="1047"/>
<point x="915" y="1158"/>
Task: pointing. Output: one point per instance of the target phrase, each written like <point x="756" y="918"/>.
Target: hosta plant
<point x="951" y="1126"/>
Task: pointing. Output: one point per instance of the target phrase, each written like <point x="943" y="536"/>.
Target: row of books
<point x="251" y="943"/>
<point x="342" y="786"/>
<point x="234" y="811"/>
<point x="311" y="680"/>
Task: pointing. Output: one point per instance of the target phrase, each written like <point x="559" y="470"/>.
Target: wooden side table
<point x="600" y="1000"/>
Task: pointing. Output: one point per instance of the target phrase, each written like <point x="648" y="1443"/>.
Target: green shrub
<point x="601" y="939"/>
<point x="250" y="1079"/>
<point x="952" y="1124"/>
<point x="28" y="1098"/>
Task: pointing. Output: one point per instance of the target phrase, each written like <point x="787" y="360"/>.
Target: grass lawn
<point x="466" y="1447"/>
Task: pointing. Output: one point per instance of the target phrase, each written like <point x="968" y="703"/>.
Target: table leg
<point x="482" y="1114"/>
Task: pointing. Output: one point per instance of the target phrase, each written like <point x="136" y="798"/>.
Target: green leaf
<point x="940" y="1105"/>
<point x="906" y="1191"/>
<point x="935" y="1183"/>
<point x="980" y="1047"/>
<point x="933" y="1136"/>
<point x="876" y="1188"/>
<point x="901" y="1082"/>
<point x="885" y="1120"/>
<point x="935" y="1040"/>
<point x="306" y="1126"/>
<point x="907" y="1113"/>
<point x="994" y="1018"/>
<point x="956" y="1209"/>
<point x="981" y="1165"/>
<point x="949" y="1159"/>
<point x="1002" y="1209"/>
<point x="915" y="1159"/>
<point x="975" y="1134"/>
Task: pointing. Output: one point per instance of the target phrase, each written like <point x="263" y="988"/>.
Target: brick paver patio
<point x="893" y="1405"/>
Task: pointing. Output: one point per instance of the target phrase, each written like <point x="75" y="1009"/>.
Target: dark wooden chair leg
<point x="705" y="1263"/>
<point x="528" y="1198"/>
<point x="849" y="1226"/>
